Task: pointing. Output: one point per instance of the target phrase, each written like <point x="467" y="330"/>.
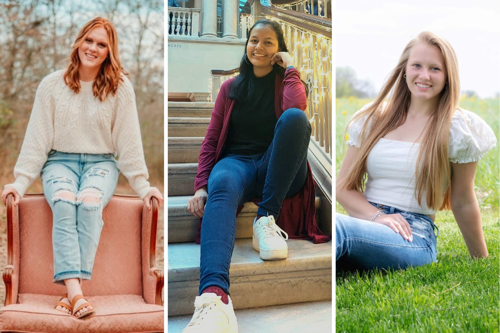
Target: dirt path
<point x="120" y="189"/>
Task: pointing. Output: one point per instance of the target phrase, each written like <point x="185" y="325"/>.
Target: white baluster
<point x="179" y="24"/>
<point x="169" y="25"/>
<point x="189" y="31"/>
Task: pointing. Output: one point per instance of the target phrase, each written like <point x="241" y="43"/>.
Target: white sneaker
<point x="269" y="239"/>
<point x="211" y="315"/>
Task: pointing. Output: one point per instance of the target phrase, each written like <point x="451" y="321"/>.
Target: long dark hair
<point x="242" y="88"/>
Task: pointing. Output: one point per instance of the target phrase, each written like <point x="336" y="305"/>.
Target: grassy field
<point x="456" y="294"/>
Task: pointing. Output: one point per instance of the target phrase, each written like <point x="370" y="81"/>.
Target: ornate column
<point x="209" y="18"/>
<point x="256" y="10"/>
<point x="230" y="19"/>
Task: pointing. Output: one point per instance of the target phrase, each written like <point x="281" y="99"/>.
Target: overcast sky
<point x="371" y="35"/>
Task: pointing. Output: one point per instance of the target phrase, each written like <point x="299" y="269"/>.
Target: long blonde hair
<point x="433" y="172"/>
<point x="109" y="76"/>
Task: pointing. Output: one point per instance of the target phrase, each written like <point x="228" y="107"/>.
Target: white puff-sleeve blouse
<point x="470" y="136"/>
<point x="355" y="128"/>
<point x="391" y="164"/>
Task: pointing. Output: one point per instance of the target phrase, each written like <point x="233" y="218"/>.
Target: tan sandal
<point x="76" y="298"/>
<point x="64" y="305"/>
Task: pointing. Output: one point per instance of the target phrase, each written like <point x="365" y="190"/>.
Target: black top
<point x="251" y="127"/>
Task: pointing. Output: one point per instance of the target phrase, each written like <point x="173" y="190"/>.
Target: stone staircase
<point x="306" y="276"/>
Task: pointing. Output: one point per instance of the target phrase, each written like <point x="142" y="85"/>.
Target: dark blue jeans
<point x="278" y="173"/>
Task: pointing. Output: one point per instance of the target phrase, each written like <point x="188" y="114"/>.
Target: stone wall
<point x="190" y="61"/>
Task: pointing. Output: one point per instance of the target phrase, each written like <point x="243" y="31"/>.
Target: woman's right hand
<point x="397" y="223"/>
<point x="196" y="205"/>
<point x="8" y="190"/>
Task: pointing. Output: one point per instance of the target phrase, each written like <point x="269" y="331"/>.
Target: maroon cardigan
<point x="297" y="215"/>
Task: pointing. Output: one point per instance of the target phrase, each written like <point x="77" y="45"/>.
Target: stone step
<point x="183" y="227"/>
<point x="292" y="318"/>
<point x="184" y="150"/>
<point x="190" y="109"/>
<point x="181" y="178"/>
<point x="306" y="276"/>
<point x="187" y="127"/>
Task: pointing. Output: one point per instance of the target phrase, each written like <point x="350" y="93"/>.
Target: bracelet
<point x="290" y="67"/>
<point x="377" y="214"/>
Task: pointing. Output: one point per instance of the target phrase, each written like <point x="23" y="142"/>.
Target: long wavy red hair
<point x="110" y="74"/>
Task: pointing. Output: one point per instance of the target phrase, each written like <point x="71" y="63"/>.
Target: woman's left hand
<point x="284" y="59"/>
<point x="153" y="193"/>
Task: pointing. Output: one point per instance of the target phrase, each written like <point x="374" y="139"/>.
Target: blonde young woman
<point x="82" y="117"/>
<point x="419" y="152"/>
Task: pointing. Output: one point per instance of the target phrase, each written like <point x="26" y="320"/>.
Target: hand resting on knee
<point x="196" y="205"/>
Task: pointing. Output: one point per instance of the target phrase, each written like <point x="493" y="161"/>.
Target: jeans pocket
<point x="421" y="228"/>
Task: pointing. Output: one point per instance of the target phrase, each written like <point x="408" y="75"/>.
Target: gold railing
<point x="321" y="8"/>
<point x="309" y="41"/>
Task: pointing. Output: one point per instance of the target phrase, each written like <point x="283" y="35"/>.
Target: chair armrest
<point x="11" y="271"/>
<point x="152" y="277"/>
<point x="159" y="285"/>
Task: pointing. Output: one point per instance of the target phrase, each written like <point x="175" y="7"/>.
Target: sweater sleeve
<point x="126" y="134"/>
<point x="206" y="161"/>
<point x="294" y="92"/>
<point x="38" y="138"/>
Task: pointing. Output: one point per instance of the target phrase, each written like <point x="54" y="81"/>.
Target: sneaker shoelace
<point x="203" y="306"/>
<point x="272" y="229"/>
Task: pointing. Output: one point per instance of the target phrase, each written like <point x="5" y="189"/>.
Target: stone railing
<point x="183" y="21"/>
<point x="218" y="78"/>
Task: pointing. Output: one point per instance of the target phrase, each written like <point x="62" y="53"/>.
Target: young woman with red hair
<point x="82" y="118"/>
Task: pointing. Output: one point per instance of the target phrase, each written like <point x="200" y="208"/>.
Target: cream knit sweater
<point x="79" y="123"/>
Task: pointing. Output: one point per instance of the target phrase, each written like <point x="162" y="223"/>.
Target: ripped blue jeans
<point x="366" y="245"/>
<point x="77" y="188"/>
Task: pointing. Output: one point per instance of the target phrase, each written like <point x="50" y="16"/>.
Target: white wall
<point x="191" y="60"/>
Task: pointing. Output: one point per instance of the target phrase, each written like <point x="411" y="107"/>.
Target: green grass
<point x="456" y="294"/>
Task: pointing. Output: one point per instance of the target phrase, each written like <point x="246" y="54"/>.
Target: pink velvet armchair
<point x="125" y="288"/>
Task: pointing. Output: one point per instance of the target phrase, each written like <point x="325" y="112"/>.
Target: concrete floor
<point x="291" y="318"/>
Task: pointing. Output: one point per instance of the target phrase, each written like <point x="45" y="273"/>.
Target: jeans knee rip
<point x="90" y="198"/>
<point x="64" y="195"/>
<point x="99" y="172"/>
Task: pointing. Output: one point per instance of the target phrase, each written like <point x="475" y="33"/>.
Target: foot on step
<point x="269" y="239"/>
<point x="211" y="315"/>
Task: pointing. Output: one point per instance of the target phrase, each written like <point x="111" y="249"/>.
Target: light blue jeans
<point x="365" y="245"/>
<point x="77" y="188"/>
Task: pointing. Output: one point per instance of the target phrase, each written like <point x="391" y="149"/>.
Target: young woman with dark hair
<point x="82" y="117"/>
<point x="418" y="152"/>
<point x="256" y="147"/>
